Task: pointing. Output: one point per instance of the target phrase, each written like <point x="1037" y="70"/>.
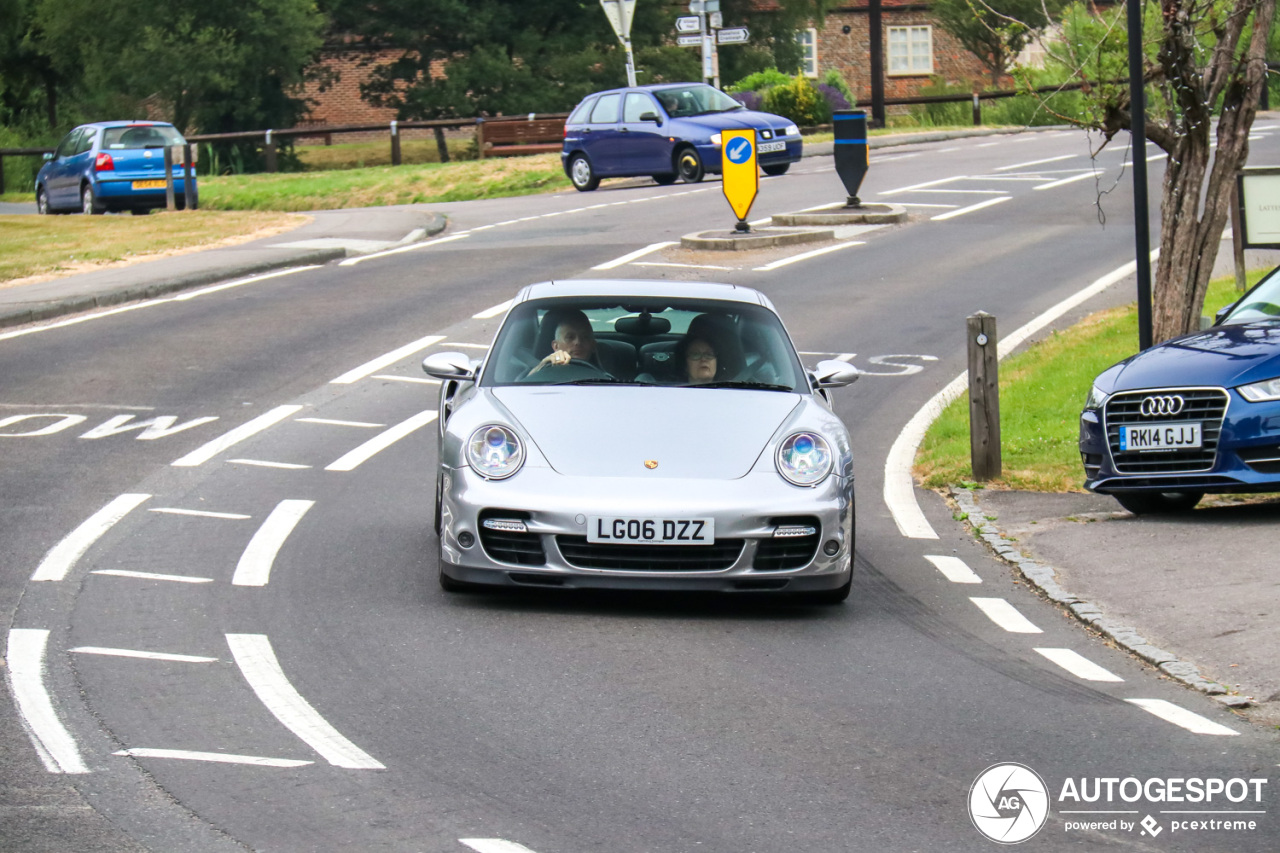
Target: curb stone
<point x="1044" y="578"/>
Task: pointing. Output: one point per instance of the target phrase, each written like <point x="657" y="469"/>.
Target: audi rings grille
<point x="1206" y="406"/>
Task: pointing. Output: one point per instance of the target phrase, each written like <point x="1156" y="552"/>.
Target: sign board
<point x="852" y="154"/>
<point x="619" y="13"/>
<point x="738" y="166"/>
<point x="689" y="24"/>
<point x="689" y="41"/>
<point x="700" y="6"/>
<point x="733" y="35"/>
<point x="715" y="20"/>
<point x="1258" y="193"/>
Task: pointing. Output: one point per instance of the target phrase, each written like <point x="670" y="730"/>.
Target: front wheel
<point x="89" y="204"/>
<point x="689" y="166"/>
<point x="776" y="169"/>
<point x="584" y="177"/>
<point x="42" y="202"/>
<point x="1154" y="503"/>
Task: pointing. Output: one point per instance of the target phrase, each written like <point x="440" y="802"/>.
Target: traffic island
<point x="866" y="214"/>
<point x="757" y="238"/>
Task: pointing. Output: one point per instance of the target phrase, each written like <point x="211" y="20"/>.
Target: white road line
<point x="413" y="380"/>
<point x="254" y="568"/>
<point x="494" y="845"/>
<point x="1033" y="163"/>
<point x="219" y="757"/>
<point x="210" y="449"/>
<point x="361" y="424"/>
<point x="1006" y="615"/>
<point x="1063" y="181"/>
<point x="257" y="661"/>
<point x="970" y="209"/>
<point x="150" y="576"/>
<point x="204" y="291"/>
<point x="631" y="256"/>
<point x="1079" y="665"/>
<point x="199" y="513"/>
<point x="682" y="266"/>
<point x="61" y="557"/>
<point x="413" y="247"/>
<point x="926" y="204"/>
<point x="925" y="184"/>
<point x="954" y="569"/>
<point x="384" y="361"/>
<point x="962" y="192"/>
<point x="132" y="653"/>
<point x="465" y="345"/>
<point x="24" y="659"/>
<point x="899" y="485"/>
<point x="1179" y="716"/>
<point x="263" y="463"/>
<point x="350" y="461"/>
<point x="804" y="256"/>
<point x="490" y="313"/>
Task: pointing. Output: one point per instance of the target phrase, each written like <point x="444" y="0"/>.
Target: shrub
<point x="835" y="80"/>
<point x="760" y="81"/>
<point x="834" y="97"/>
<point x="799" y="101"/>
<point x="750" y="100"/>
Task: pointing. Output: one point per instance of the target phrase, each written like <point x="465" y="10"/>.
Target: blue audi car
<point x="667" y="131"/>
<point x="1194" y="415"/>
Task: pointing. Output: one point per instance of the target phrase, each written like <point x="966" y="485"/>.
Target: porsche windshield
<point x="671" y="342"/>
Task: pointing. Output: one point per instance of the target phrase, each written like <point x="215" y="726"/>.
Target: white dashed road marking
<point x="1006" y="615"/>
<point x="381" y="441"/>
<point x="955" y="569"/>
<point x="63" y="556"/>
<point x="24" y="659"/>
<point x="262" y="463"/>
<point x="1033" y="163"/>
<point x="218" y="757"/>
<point x="149" y="576"/>
<point x="804" y="256"/>
<point x="210" y="449"/>
<point x="1079" y="665"/>
<point x="1179" y="716"/>
<point x="971" y="208"/>
<point x="254" y="568"/>
<point x="133" y="653"/>
<point x="494" y="845"/>
<point x="200" y="513"/>
<point x="631" y="256"/>
<point x="384" y="361"/>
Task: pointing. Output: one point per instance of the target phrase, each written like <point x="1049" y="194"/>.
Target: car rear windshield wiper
<point x="741" y="383"/>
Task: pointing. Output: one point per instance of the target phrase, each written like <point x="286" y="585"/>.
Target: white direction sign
<point x="733" y="35"/>
<point x="619" y="13"/>
<point x="689" y="24"/>
<point x="688" y="41"/>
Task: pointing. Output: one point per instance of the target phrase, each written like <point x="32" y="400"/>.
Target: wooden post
<point x="270" y="150"/>
<point x="1" y="174"/>
<point x="188" y="184"/>
<point x="395" y="144"/>
<point x="169" y="202"/>
<point x="1237" y="238"/>
<point x="984" y="397"/>
<point x="441" y="146"/>
<point x="480" y="136"/>
<point x="977" y="110"/>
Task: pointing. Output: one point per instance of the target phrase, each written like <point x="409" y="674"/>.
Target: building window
<point x="808" y="40"/>
<point x="910" y="50"/>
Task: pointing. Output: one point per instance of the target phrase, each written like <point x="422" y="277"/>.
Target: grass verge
<point x="47" y="245"/>
<point x="1042" y="390"/>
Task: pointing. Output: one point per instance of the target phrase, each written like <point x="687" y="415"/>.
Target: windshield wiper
<point x="741" y="383"/>
<point x="597" y="380"/>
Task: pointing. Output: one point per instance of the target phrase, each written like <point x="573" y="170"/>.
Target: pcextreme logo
<point x="1008" y="803"/>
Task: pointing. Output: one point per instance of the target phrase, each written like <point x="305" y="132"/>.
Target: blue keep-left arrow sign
<point x="739" y="151"/>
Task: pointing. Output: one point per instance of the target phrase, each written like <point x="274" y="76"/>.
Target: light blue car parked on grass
<point x="110" y="165"/>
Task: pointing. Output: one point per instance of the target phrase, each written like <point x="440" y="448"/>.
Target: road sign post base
<point x="742" y="226"/>
<point x="853" y="201"/>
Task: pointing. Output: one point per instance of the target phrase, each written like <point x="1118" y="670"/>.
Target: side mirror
<point x="653" y="117"/>
<point x="835" y="374"/>
<point x="1222" y="314"/>
<point x="449" y="366"/>
<point x="48" y="155"/>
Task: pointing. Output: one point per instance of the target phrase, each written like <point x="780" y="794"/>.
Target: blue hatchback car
<point x="667" y="131"/>
<point x="1196" y="414"/>
<point x="110" y="165"/>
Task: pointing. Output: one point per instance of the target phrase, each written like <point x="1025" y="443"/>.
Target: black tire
<point x="89" y="203"/>
<point x="42" y="202"/>
<point x="776" y="169"/>
<point x="1155" y="503"/>
<point x="439" y="516"/>
<point x="689" y="166"/>
<point x="665" y="180"/>
<point x="584" y="177"/>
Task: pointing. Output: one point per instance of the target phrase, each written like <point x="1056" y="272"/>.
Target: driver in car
<point x="574" y="339"/>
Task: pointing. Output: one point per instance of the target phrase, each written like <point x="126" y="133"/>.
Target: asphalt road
<point x="341" y="701"/>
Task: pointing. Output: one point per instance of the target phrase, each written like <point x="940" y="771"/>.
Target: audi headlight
<point x="495" y="452"/>
<point x="1261" y="392"/>
<point x="804" y="459"/>
<point x="791" y="130"/>
<point x="715" y="139"/>
<point x="1096" y="398"/>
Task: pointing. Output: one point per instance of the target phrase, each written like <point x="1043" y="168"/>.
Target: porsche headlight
<point x="495" y="452"/>
<point x="804" y="459"/>
<point x="715" y="139"/>
<point x="1261" y="392"/>
<point x="791" y="130"/>
<point x="1096" y="398"/>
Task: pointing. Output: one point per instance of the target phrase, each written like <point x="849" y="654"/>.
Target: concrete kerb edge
<point x="42" y="311"/>
<point x="1044" y="579"/>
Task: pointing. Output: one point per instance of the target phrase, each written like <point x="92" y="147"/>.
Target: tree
<point x="995" y="31"/>
<point x="1203" y="58"/>
<point x="29" y="84"/>
<point x="213" y="66"/>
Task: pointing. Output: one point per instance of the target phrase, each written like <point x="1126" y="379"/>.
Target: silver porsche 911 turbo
<point x="646" y="435"/>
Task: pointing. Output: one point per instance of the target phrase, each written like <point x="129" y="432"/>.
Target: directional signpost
<point x="619" y="13"/>
<point x="741" y="177"/>
<point x="707" y="21"/>
<point x="733" y="35"/>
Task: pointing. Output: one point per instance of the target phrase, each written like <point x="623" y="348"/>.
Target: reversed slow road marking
<point x="1079" y="665"/>
<point x="63" y="556"/>
<point x="24" y="658"/>
<point x="494" y="845"/>
<point x="1179" y="716"/>
<point x="151" y="576"/>
<point x="970" y="209"/>
<point x="133" y="653"/>
<point x="257" y="661"/>
<point x="219" y="757"/>
<point x="1006" y="615"/>
<point x="631" y="256"/>
<point x="350" y="461"/>
<point x="384" y="361"/>
<point x="245" y="431"/>
<point x="954" y="569"/>
<point x="254" y="568"/>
